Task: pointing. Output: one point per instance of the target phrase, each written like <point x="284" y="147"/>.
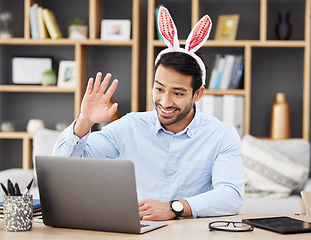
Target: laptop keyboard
<point x="144" y="225"/>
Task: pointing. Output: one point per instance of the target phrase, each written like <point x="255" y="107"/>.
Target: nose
<point x="166" y="101"/>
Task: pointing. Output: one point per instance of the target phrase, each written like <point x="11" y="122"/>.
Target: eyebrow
<point x="176" y="88"/>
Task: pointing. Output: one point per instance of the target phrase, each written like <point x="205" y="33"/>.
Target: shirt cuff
<point x="192" y="202"/>
<point x="77" y="140"/>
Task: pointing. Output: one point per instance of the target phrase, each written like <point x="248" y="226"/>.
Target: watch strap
<point x="177" y="213"/>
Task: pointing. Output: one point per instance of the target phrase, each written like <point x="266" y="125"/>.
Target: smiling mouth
<point x="167" y="113"/>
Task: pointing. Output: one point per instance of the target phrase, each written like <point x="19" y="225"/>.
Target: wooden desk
<point x="177" y="229"/>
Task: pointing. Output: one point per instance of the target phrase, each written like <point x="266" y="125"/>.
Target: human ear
<point x="198" y="94"/>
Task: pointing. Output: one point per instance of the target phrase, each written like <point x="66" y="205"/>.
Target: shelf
<point x="99" y="42"/>
<point x="241" y="92"/>
<point x="241" y="43"/>
<point x="30" y="88"/>
<point x="15" y="135"/>
<point x="63" y="42"/>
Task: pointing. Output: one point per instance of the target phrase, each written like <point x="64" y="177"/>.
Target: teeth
<point x="165" y="111"/>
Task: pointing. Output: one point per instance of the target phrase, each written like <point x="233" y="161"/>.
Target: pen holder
<point x="17" y="213"/>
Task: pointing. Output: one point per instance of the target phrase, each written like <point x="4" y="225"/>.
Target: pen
<point x="11" y="188"/>
<point x="4" y="189"/>
<point x="17" y="190"/>
<point x="28" y="188"/>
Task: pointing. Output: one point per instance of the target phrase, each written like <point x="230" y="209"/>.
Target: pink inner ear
<point x="199" y="33"/>
<point x="167" y="27"/>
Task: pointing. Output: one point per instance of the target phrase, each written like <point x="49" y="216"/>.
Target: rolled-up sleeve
<point x="68" y="144"/>
<point x="226" y="195"/>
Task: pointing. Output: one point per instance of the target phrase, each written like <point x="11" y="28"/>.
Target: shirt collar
<point x="189" y="130"/>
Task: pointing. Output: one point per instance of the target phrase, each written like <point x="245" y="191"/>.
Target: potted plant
<point x="77" y="29"/>
<point x="48" y="77"/>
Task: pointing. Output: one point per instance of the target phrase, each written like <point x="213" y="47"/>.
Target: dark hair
<point x="185" y="64"/>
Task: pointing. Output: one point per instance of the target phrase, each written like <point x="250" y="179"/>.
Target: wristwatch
<point x="177" y="207"/>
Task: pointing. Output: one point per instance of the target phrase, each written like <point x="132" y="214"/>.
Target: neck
<point x="182" y="123"/>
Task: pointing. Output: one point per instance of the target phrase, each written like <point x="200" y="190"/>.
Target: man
<point x="186" y="163"/>
<point x="178" y="152"/>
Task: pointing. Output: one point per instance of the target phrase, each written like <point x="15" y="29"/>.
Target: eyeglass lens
<point x="230" y="226"/>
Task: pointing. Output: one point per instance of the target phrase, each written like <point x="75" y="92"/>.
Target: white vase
<point x="34" y="125"/>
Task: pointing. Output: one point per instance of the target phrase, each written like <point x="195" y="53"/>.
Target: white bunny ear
<point x="167" y="28"/>
<point x="199" y="34"/>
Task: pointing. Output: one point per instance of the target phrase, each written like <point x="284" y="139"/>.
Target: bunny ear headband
<point x="195" y="40"/>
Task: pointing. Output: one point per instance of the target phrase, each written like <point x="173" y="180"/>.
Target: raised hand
<point x="95" y="107"/>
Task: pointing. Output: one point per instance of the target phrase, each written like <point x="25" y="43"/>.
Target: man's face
<point x="173" y="99"/>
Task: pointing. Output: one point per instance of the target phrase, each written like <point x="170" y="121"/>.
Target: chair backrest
<point x="43" y="141"/>
<point x="43" y="144"/>
<point x="297" y="150"/>
<point x="306" y="200"/>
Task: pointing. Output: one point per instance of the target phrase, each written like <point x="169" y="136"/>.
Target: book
<point x="43" y="33"/>
<point x="34" y="29"/>
<point x="235" y="70"/>
<point x="213" y="75"/>
<point x="233" y="112"/>
<point x="227" y="71"/>
<point x="51" y="24"/>
<point x="239" y="75"/>
<point x="220" y="69"/>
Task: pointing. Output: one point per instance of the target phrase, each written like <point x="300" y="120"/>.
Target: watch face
<point x="177" y="206"/>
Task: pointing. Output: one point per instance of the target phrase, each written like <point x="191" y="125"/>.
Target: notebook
<point x="284" y="225"/>
<point x="88" y="193"/>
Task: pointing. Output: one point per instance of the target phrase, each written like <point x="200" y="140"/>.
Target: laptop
<point x="88" y="193"/>
<point x="281" y="224"/>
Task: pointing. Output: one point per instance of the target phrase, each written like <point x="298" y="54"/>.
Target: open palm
<point x="95" y="107"/>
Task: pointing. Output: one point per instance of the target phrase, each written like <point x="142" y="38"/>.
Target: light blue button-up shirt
<point x="200" y="164"/>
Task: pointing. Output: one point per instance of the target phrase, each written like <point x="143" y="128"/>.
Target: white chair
<point x="298" y="150"/>
<point x="43" y="143"/>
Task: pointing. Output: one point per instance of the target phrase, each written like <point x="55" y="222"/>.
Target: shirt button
<point x="166" y="183"/>
<point x="171" y="157"/>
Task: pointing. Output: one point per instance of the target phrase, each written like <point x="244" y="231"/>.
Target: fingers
<point x="147" y="210"/>
<point x="112" y="88"/>
<point x="148" y="218"/>
<point x="97" y="82"/>
<point x="112" y="110"/>
<point x="89" y="87"/>
<point x="99" y="86"/>
<point x="93" y="87"/>
<point x="105" y="82"/>
<point x="143" y="213"/>
<point x="142" y="205"/>
<point x="150" y="209"/>
<point x="142" y="208"/>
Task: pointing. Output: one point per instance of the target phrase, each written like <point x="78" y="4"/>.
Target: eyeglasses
<point x="230" y="226"/>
